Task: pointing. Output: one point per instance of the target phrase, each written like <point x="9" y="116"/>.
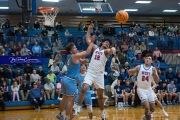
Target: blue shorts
<point x="68" y="87"/>
<point x="87" y="99"/>
<point x="120" y="95"/>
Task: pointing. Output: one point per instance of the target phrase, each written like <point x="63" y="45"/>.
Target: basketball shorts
<point x="87" y="99"/>
<point x="95" y="78"/>
<point x="154" y="96"/>
<point x="68" y="86"/>
<point x="145" y="95"/>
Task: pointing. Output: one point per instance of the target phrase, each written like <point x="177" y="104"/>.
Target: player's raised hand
<point x="113" y="50"/>
<point x="91" y="26"/>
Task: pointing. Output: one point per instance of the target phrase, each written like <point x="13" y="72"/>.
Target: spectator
<point x="123" y="76"/>
<point x="171" y="36"/>
<point x="34" y="77"/>
<point x="157" y="53"/>
<point x="156" y="63"/>
<point x="115" y="60"/>
<point x="15" y="91"/>
<point x="55" y="68"/>
<point x="36" y="97"/>
<point x="151" y="34"/>
<point x="119" y="92"/>
<point x="171" y="89"/>
<point x="28" y="69"/>
<point x="145" y="38"/>
<point x="24" y="91"/>
<point x="54" y="48"/>
<point x="138" y="53"/>
<point x="13" y="50"/>
<point x="44" y="32"/>
<point x="7" y="23"/>
<point x="131" y="55"/>
<point x="47" y="50"/>
<point x="136" y="38"/>
<point x="66" y="33"/>
<point x="142" y="46"/>
<point x="54" y="37"/>
<point x="10" y="76"/>
<point x="51" y="61"/>
<point x="7" y="49"/>
<point x="24" y="51"/>
<point x="36" y="25"/>
<point x="2" y="37"/>
<point x="52" y="77"/>
<point x="113" y="74"/>
<point x="58" y="60"/>
<point x="178" y="76"/>
<point x="128" y="90"/>
<point x="64" y="69"/>
<point x="2" y="103"/>
<point x="162" y="77"/>
<point x="5" y="91"/>
<point x="124" y="46"/>
<point x="163" y="91"/>
<point x="18" y="76"/>
<point x="36" y="49"/>
<point x="170" y="76"/>
<point x="41" y="73"/>
<point x="59" y="77"/>
<point x="3" y="75"/>
<point x="28" y="45"/>
<point x="70" y="39"/>
<point x="3" y="52"/>
<point x="126" y="66"/>
<point x="49" y="89"/>
<point x="145" y="52"/>
<point x="137" y="29"/>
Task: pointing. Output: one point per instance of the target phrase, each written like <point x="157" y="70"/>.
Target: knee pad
<point x="89" y="109"/>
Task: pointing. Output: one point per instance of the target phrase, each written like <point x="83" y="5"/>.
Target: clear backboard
<point x="95" y="7"/>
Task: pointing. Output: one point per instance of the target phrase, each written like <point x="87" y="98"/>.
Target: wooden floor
<point x="112" y="113"/>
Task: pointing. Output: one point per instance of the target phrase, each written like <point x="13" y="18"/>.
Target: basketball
<point x="122" y="16"/>
<point x="52" y="106"/>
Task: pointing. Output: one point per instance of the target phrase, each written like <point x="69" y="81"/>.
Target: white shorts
<point x="95" y="78"/>
<point x="154" y="96"/>
<point x="145" y="95"/>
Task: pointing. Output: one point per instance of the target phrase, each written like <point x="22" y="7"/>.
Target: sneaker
<point x="163" y="104"/>
<point x="173" y="102"/>
<point x="127" y="105"/>
<point x="143" y="117"/>
<point x="116" y="105"/>
<point x="76" y="113"/>
<point x="165" y="113"/>
<point x="103" y="116"/>
<point x="39" y="108"/>
<point x="106" y="105"/>
<point x="152" y="115"/>
<point x="60" y="117"/>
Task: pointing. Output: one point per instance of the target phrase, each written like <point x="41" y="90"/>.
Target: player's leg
<point x="90" y="111"/>
<point x="100" y="94"/>
<point x="69" y="106"/>
<point x="147" y="109"/>
<point x="161" y="107"/>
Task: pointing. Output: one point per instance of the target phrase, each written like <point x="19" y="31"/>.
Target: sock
<point x="132" y="102"/>
<point x="126" y="102"/>
<point x="163" y="101"/>
<point x="102" y="111"/>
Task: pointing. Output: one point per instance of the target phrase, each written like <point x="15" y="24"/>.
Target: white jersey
<point x="98" y="61"/>
<point x="144" y="77"/>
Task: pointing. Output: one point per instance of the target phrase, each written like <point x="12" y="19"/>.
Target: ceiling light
<point x="169" y="10"/>
<point x="178" y="3"/>
<point x="144" y="2"/>
<point x="4" y="7"/>
<point x="131" y="9"/>
<point x="50" y="0"/>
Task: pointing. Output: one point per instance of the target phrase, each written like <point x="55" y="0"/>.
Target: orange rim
<point x="47" y="9"/>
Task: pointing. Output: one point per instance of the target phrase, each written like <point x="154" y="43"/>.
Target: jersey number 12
<point x="97" y="57"/>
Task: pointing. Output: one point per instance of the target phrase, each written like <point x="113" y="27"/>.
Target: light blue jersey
<point x="68" y="86"/>
<point x="72" y="69"/>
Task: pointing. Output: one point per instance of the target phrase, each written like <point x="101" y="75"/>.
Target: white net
<point x="49" y="18"/>
<point x="98" y="6"/>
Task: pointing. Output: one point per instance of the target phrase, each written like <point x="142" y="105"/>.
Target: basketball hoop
<point x="49" y="14"/>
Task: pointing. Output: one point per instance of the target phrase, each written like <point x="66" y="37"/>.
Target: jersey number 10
<point x="145" y="78"/>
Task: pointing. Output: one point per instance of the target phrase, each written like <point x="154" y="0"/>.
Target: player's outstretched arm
<point x="82" y="54"/>
<point x="84" y="61"/>
<point x="88" y="35"/>
<point x="156" y="77"/>
<point x="131" y="72"/>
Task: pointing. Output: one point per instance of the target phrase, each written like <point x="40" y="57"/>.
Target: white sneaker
<point x="165" y="113"/>
<point x="152" y="115"/>
<point x="103" y="116"/>
<point x="59" y="98"/>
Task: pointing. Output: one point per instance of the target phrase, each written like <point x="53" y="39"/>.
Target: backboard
<point x="92" y="7"/>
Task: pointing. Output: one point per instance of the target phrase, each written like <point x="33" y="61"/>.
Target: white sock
<point x="132" y="102"/>
<point x="102" y="111"/>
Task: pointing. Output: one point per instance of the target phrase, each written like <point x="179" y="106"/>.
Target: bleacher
<point x="75" y="32"/>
